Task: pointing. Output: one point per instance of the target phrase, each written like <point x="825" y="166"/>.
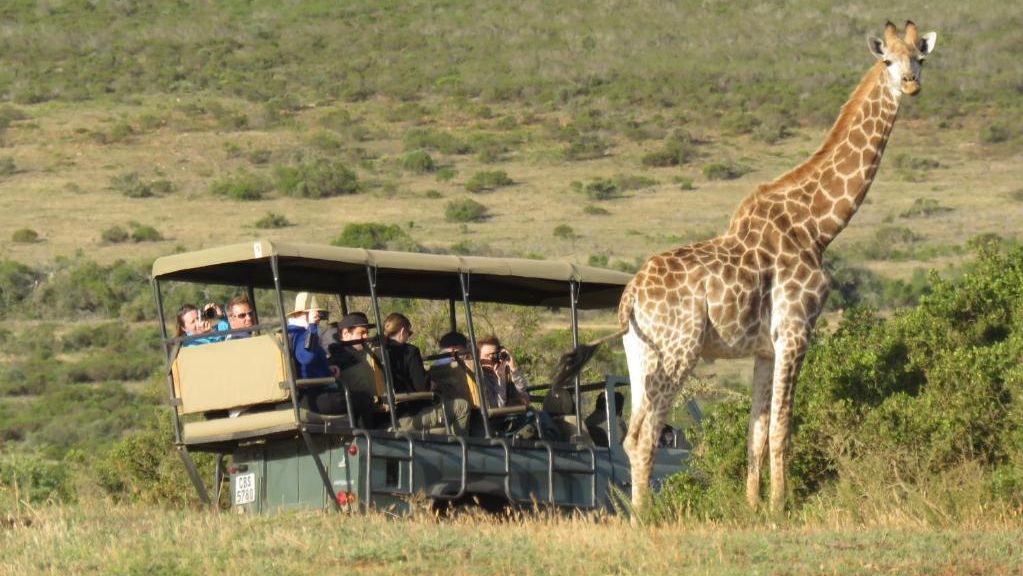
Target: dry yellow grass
<point x="98" y="538"/>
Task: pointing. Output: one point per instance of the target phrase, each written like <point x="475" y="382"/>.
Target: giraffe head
<point x="903" y="58"/>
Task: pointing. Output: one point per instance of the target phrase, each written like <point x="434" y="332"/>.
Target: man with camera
<point x="503" y="382"/>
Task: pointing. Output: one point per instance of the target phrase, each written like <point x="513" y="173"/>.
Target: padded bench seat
<point x="256" y="424"/>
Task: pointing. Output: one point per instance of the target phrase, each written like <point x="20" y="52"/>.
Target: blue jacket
<point x="310" y="362"/>
<point x="221" y="326"/>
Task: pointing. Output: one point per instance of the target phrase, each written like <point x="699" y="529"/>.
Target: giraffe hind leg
<point x="657" y="389"/>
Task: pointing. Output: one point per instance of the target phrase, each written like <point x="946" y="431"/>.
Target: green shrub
<point x="115" y="235"/>
<point x="488" y="180"/>
<point x="725" y="170"/>
<point x="320" y="178"/>
<point x="739" y="123"/>
<point x="429" y="139"/>
<point x="7" y="166"/>
<point x="995" y="134"/>
<point x="685" y="183"/>
<point x="891" y="243"/>
<point x="598" y="260"/>
<point x="272" y="220"/>
<point x="16" y="283"/>
<point x="594" y="210"/>
<point x="36" y="479"/>
<point x="433" y="194"/>
<point x="145" y="233"/>
<point x="375" y="236"/>
<point x="446" y="174"/>
<point x="923" y="208"/>
<point x="244" y="186"/>
<point x="131" y="186"/>
<point x="24" y="236"/>
<point x="564" y="232"/>
<point x="679" y="148"/>
<point x="627" y="182"/>
<point x="418" y="162"/>
<point x="586" y="147"/>
<point x="465" y="210"/>
<point x="601" y="189"/>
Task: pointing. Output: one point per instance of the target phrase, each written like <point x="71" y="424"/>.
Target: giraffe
<point x="758" y="288"/>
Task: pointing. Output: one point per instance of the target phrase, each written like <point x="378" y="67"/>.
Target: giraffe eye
<point x="887" y="62"/>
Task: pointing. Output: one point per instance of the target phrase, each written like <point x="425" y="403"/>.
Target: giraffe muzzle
<point x="910" y="87"/>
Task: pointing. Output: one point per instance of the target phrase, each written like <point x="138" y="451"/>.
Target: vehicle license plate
<point x="244" y="488"/>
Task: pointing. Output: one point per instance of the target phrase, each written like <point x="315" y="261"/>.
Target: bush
<point x="594" y="210"/>
<point x="426" y="138"/>
<point x="994" y="134"/>
<point x="725" y="170"/>
<point x="446" y="174"/>
<point x="923" y="208"/>
<point x="243" y="186"/>
<point x="678" y="149"/>
<point x="488" y="180"/>
<point x="7" y="166"/>
<point x="24" y="236"/>
<point x="599" y="189"/>
<point x="131" y="186"/>
<point x="115" y="235"/>
<point x="465" y="210"/>
<point x="564" y="232"/>
<point x="145" y="233"/>
<point x="36" y="478"/>
<point x="375" y="236"/>
<point x="272" y="220"/>
<point x="16" y="283"/>
<point x="418" y="162"/>
<point x="586" y="147"/>
<point x="317" y="179"/>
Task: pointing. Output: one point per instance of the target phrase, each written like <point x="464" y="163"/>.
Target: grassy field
<point x="92" y="539"/>
<point x="133" y="129"/>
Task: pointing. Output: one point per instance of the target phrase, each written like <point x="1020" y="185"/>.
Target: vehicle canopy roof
<point x="336" y="269"/>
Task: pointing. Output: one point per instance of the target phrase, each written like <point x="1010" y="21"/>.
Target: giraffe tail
<point x="572" y="363"/>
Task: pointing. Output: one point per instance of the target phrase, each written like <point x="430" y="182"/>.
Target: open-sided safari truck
<point x="239" y="397"/>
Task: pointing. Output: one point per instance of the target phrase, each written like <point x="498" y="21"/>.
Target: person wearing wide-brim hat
<point x="310" y="359"/>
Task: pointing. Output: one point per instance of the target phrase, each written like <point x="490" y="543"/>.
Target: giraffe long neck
<point x="815" y="201"/>
<point x="858" y="139"/>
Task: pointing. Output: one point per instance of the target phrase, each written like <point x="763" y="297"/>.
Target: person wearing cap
<point x="310" y="360"/>
<point x="352" y="331"/>
<point x="351" y="349"/>
<point x="410" y="376"/>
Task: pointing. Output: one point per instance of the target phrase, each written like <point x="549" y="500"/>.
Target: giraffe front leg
<point x="759" y="419"/>
<point x="790" y="347"/>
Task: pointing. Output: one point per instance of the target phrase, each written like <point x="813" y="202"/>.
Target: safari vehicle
<point x="238" y="397"/>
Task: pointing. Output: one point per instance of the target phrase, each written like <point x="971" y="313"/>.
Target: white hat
<point x="305" y="302"/>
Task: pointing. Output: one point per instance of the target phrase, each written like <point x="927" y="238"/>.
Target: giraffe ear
<point x="926" y="42"/>
<point x="876" y="46"/>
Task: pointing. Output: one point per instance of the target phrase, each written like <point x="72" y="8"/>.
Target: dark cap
<point x="354" y="320"/>
<point x="453" y="340"/>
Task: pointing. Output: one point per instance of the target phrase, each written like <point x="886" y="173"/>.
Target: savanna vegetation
<point x="595" y="134"/>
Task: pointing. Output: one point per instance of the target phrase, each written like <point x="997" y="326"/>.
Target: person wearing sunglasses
<point x="240" y="315"/>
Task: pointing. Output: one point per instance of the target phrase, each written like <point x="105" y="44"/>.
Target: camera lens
<point x="505" y="355"/>
<point x="495" y="357"/>
<point x="209" y="313"/>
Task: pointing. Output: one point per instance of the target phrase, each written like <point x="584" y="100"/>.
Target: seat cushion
<point x="255" y="424"/>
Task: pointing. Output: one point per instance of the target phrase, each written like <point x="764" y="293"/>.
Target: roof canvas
<point x="336" y="269"/>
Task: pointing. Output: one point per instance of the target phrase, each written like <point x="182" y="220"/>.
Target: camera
<point x="501" y="355"/>
<point x="209" y="312"/>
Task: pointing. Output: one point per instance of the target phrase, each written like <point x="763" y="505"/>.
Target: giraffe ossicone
<point x="757" y="289"/>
